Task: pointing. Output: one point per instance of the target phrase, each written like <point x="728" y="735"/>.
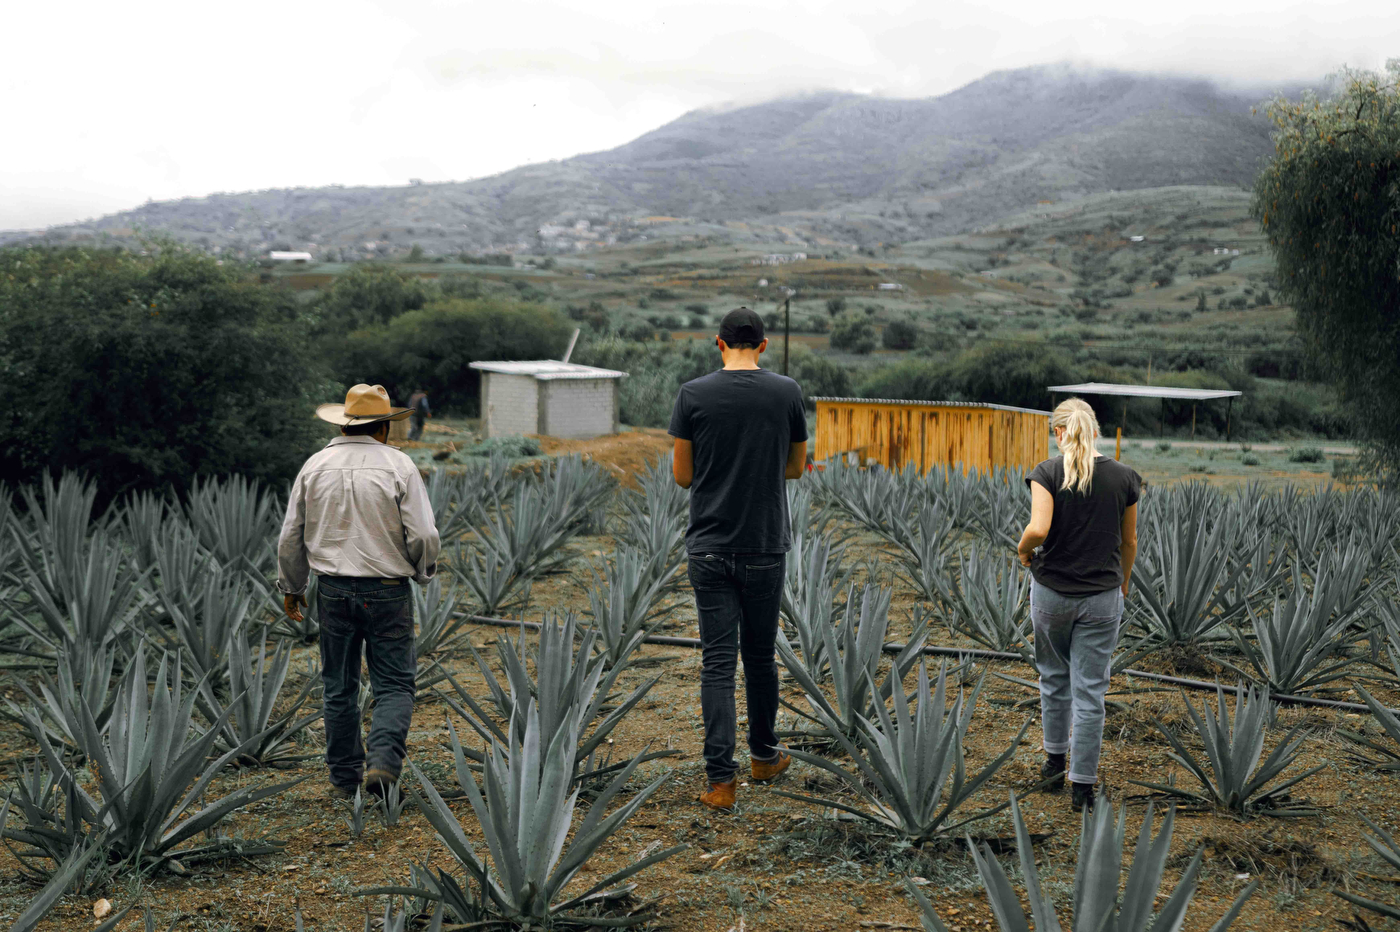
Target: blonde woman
<point x="1080" y="545"/>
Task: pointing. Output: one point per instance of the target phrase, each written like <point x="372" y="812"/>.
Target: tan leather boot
<point x="767" y="771"/>
<point x="721" y="795"/>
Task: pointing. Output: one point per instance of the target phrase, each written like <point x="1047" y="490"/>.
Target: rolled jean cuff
<point x="1049" y="748"/>
<point x="1080" y="778"/>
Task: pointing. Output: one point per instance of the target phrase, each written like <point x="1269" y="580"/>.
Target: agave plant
<point x="1184" y="576"/>
<point x="206" y="619"/>
<point x="654" y="521"/>
<point x="85" y="676"/>
<point x="570" y="682"/>
<point x="625" y="604"/>
<point x="813" y="577"/>
<point x="152" y="767"/>
<point x="1302" y="644"/>
<point x="989" y="600"/>
<point x="525" y="808"/>
<point x="909" y="764"/>
<point x="1389" y="759"/>
<point x="81" y="600"/>
<point x="517" y="543"/>
<point x="252" y="724"/>
<point x="851" y="655"/>
<point x="1003" y="507"/>
<point x="177" y="558"/>
<point x="440" y="623"/>
<point x="1098" y="906"/>
<point x="237" y="521"/>
<point x="924" y="543"/>
<point x="1384" y="844"/>
<point x="143" y="524"/>
<point x="54" y="833"/>
<point x="1232" y="778"/>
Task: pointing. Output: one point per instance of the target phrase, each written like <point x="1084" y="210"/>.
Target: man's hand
<point x="291" y="604"/>
<point x="1025" y="557"/>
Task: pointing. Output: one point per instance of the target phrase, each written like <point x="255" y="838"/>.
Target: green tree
<point x="899" y="335"/>
<point x="416" y="253"/>
<point x="432" y="348"/>
<point x="1329" y="202"/>
<point x="853" y="333"/>
<point x="370" y="295"/>
<point x="835" y="306"/>
<point x="146" y="372"/>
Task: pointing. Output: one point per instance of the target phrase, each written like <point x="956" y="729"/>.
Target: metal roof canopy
<point x="931" y="404"/>
<point x="1193" y="395"/>
<point x="1144" y="391"/>
<point x="548" y="369"/>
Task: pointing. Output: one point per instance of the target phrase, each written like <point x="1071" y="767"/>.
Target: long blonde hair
<point x="1081" y="427"/>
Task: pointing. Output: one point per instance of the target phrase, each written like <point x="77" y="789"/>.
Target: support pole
<point x="1193" y="420"/>
<point x="1125" y="417"/>
<point x="1118" y="446"/>
<point x="1162" y="420"/>
<point x="1229" y="406"/>
<point x="787" y="320"/>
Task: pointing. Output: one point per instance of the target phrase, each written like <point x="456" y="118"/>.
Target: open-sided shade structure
<point x="1193" y="395"/>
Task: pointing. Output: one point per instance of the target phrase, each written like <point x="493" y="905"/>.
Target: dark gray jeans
<point x="1074" y="643"/>
<point x="372" y="617"/>
<point x="737" y="597"/>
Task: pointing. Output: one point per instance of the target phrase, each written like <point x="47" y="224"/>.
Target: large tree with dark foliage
<point x="1329" y="201"/>
<point x="146" y="371"/>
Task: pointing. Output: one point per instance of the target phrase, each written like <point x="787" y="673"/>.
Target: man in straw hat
<point x="359" y="518"/>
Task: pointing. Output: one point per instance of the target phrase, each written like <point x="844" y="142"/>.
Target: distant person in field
<point x="359" y="518"/>
<point x="418" y="404"/>
<point x="1080" y="545"/>
<point x="739" y="433"/>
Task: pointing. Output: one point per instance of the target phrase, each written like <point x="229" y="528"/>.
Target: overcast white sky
<point x="109" y="104"/>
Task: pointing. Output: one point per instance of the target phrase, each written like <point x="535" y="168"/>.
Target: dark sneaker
<point x="1083" y="796"/>
<point x="1055" y="773"/>
<point x="378" y="780"/>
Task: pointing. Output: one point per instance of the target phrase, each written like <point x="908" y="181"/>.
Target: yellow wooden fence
<point x="931" y="433"/>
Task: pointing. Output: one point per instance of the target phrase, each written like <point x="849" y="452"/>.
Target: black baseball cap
<point x="741" y="325"/>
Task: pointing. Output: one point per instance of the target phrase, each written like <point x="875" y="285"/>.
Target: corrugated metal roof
<point x="1144" y="391"/>
<point x="547" y="369"/>
<point x="933" y="404"/>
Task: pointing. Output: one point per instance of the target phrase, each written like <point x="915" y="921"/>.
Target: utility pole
<point x="787" y="322"/>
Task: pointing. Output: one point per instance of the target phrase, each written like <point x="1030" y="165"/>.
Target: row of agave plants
<point x="150" y="656"/>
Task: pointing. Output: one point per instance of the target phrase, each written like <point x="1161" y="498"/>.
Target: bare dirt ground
<point x="775" y="863"/>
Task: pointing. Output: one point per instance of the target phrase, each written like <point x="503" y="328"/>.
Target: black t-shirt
<point x="1082" y="555"/>
<point x="741" y="423"/>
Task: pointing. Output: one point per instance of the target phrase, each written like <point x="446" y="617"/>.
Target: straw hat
<point x="364" y="404"/>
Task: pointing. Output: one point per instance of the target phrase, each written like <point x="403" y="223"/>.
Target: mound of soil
<point x="627" y="453"/>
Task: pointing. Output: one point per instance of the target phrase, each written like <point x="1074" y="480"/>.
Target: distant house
<point x="1225" y="251"/>
<point x="891" y="286"/>
<point x="1136" y="239"/>
<point x="546" y="396"/>
<point x="278" y="255"/>
<point x="780" y="258"/>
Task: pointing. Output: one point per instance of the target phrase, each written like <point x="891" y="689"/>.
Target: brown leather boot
<point x="721" y="795"/>
<point x="767" y="771"/>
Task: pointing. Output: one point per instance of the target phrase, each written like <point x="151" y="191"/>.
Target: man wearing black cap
<point x="740" y="432"/>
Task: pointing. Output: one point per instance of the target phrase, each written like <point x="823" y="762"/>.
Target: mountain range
<point x="823" y="167"/>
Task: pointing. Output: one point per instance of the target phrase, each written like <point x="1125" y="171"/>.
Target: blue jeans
<point x="1074" y="642"/>
<point x="373" y="617"/>
<point x="737" y="597"/>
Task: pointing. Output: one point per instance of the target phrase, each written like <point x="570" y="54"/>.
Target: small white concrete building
<point x="546" y="396"/>
<point x="278" y="255"/>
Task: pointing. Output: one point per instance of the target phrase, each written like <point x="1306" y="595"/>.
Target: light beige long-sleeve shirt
<point x="357" y="508"/>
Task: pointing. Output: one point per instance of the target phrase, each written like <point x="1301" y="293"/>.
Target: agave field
<point x="161" y="739"/>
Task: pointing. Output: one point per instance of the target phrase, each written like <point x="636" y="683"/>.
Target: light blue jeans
<point x="1074" y="643"/>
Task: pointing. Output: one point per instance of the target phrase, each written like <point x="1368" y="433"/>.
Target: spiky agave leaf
<point x="440" y="622"/>
<point x="1301" y="644"/>
<point x="909" y="764"/>
<point x="1232" y="777"/>
<point x="570" y="680"/>
<point x="150" y="770"/>
<point x="251" y="719"/>
<point x="1384" y="844"/>
<point x="1184" y="576"/>
<point x="237" y="521"/>
<point x="812" y="579"/>
<point x="206" y="619"/>
<point x="625" y="601"/>
<point x="1390" y="724"/>
<point x="989" y="600"/>
<point x="525" y="808"/>
<point x="1097" y="903"/>
<point x="852" y="652"/>
<point x="925" y="543"/>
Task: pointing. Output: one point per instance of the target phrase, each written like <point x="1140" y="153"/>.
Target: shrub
<point x="146" y="372"/>
<point x="1249" y="459"/>
<point x="835" y="306"/>
<point x="431" y="348"/>
<point x="370" y="295"/>
<point x="1163" y="446"/>
<point x="899" y="335"/>
<point x="1305" y="455"/>
<point x="853" y="333"/>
